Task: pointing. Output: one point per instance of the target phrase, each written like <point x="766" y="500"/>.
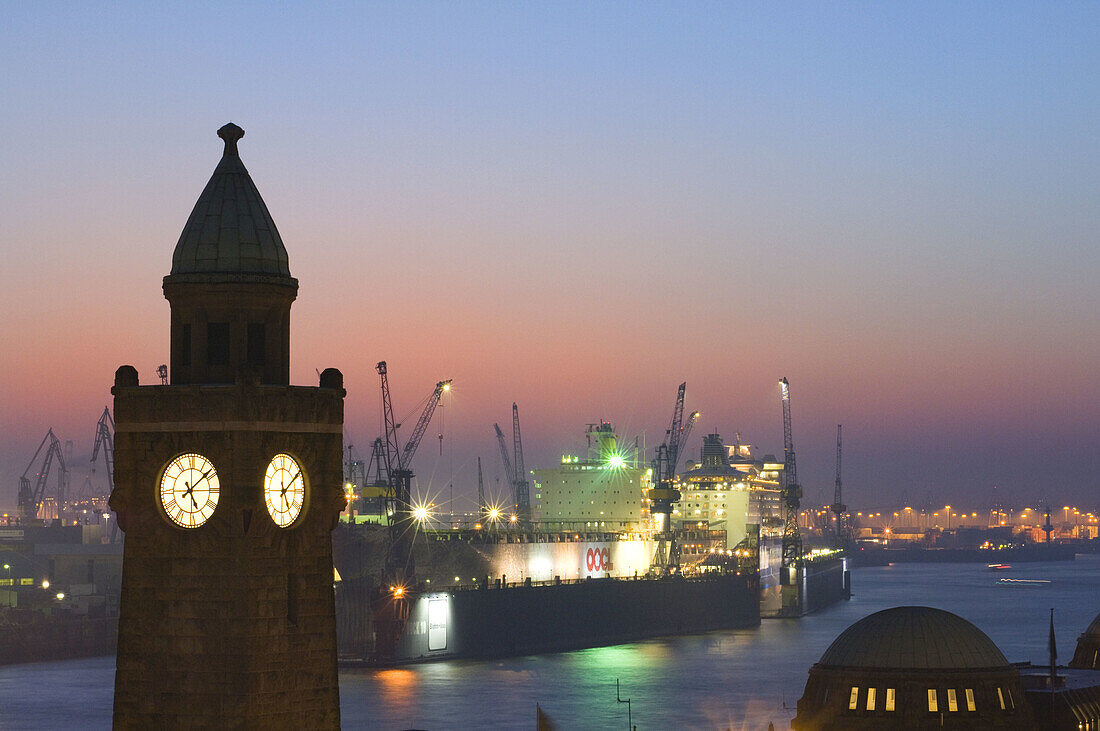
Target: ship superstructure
<point x="605" y="489"/>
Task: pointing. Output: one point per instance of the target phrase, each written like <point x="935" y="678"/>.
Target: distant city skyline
<point x="576" y="208"/>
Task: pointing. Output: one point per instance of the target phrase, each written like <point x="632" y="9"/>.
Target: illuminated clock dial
<point x="284" y="489"/>
<point x="189" y="490"/>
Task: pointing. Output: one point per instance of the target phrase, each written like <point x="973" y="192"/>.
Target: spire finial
<point x="230" y="133"/>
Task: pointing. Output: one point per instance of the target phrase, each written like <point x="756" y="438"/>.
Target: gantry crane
<point x="31" y="494"/>
<point x="838" y="507"/>
<point x="400" y="566"/>
<point x="523" y="486"/>
<point x="391" y="605"/>
<point x="791" y="493"/>
<point x="105" y="443"/>
<point x="355" y="477"/>
<point x="506" y="460"/>
<point x="515" y="470"/>
<point x="482" y="509"/>
<point x="664" y="494"/>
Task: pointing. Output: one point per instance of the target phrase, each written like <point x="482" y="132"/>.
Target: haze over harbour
<point x="579" y="207"/>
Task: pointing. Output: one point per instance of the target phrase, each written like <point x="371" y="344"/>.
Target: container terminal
<point x="602" y="528"/>
<point x="599" y="549"/>
<point x="602" y="547"/>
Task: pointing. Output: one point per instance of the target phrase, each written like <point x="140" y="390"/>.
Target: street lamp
<point x="7" y="567"/>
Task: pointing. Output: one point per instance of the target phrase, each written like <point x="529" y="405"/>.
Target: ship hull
<point x="522" y="620"/>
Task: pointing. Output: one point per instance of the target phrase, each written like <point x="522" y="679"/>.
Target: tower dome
<point x="1088" y="647"/>
<point x="913" y="638"/>
<point x="912" y="668"/>
<point x="230" y="229"/>
<point x="230" y="286"/>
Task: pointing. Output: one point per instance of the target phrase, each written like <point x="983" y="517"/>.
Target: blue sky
<point x="578" y="206"/>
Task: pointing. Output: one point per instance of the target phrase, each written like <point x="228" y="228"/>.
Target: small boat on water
<point x="999" y="566"/>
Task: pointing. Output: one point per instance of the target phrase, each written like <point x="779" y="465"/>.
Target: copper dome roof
<point x="230" y="229"/>
<point x="913" y="638"/>
<point x="1093" y="630"/>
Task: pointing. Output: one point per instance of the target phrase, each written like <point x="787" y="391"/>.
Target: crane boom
<point x="522" y="487"/>
<point x="674" y="435"/>
<point x="508" y="469"/>
<point x="105" y="441"/>
<point x="480" y="490"/>
<point x="422" y="424"/>
<point x="390" y="451"/>
<point x="664" y="493"/>
<point x="400" y="565"/>
<point x="30" y="496"/>
<point x="685" y="433"/>
<point x="791" y="490"/>
<point x="517" y="445"/>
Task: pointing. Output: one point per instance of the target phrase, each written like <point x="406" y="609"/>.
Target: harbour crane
<point x="838" y="507"/>
<point x="686" y="431"/>
<point x="391" y="605"/>
<point x="791" y="493"/>
<point x="375" y="488"/>
<point x="664" y="494"/>
<point x="523" y="486"/>
<point x="509" y="471"/>
<point x="355" y="477"/>
<point x="377" y="474"/>
<point x="105" y="442"/>
<point x="482" y="509"/>
<point x="31" y="493"/>
<point x="515" y="470"/>
<point x="398" y="467"/>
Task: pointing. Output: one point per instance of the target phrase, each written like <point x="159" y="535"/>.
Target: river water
<point x="741" y="679"/>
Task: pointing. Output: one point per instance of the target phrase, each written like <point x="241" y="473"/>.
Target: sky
<point x="577" y="206"/>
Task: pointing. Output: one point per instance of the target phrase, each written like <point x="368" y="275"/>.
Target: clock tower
<point x="228" y="483"/>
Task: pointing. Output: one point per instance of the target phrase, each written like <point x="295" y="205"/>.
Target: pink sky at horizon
<point x="896" y="209"/>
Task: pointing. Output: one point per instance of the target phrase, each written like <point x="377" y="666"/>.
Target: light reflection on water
<point x="737" y="680"/>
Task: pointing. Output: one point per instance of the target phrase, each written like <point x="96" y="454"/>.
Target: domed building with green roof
<point x="1088" y="647"/>
<point x="912" y="668"/>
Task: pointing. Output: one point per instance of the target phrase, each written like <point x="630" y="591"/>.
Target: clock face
<point x="189" y="490"/>
<point x="284" y="490"/>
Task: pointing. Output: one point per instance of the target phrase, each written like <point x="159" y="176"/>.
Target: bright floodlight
<point x="420" y="512"/>
<point x="616" y="461"/>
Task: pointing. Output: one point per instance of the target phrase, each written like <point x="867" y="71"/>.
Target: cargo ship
<point x="498" y="620"/>
<point x="586" y="565"/>
<point x="482" y="595"/>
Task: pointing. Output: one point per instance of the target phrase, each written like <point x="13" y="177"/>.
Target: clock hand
<point x="190" y="492"/>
